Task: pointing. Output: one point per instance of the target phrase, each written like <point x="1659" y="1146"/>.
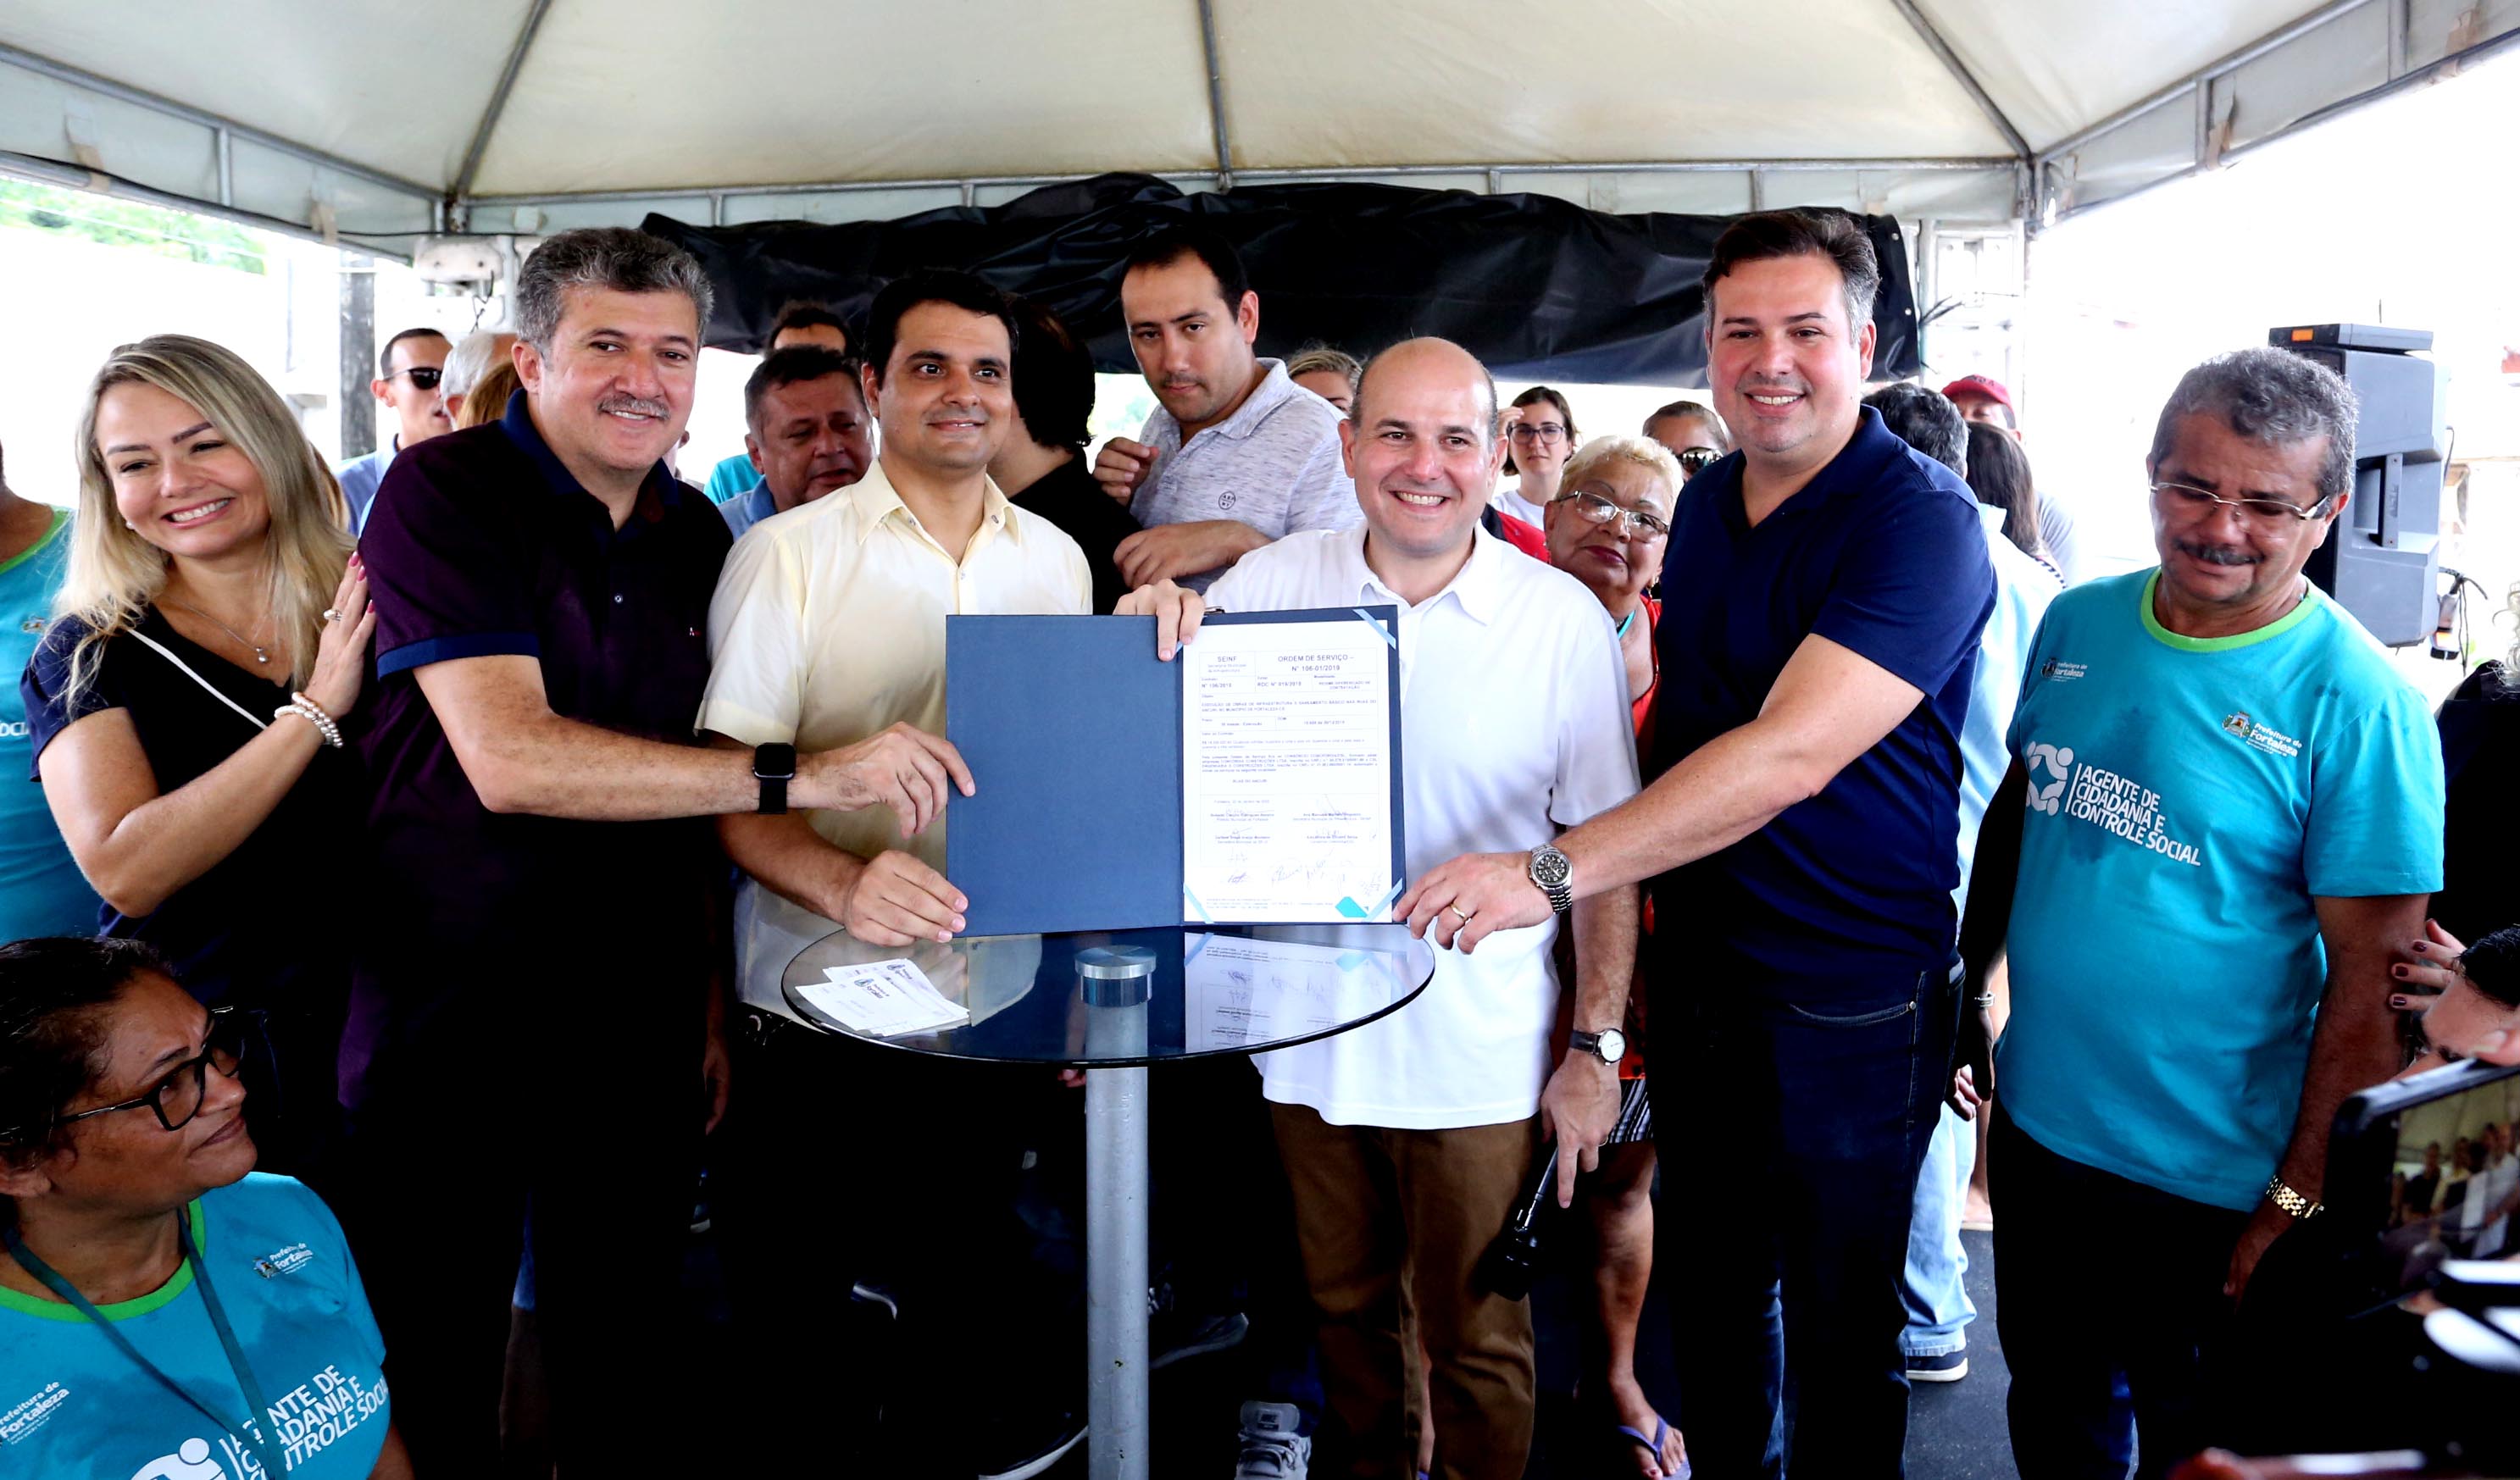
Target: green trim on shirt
<point x="121" y="1310"/>
<point x="61" y="521"/>
<point x="2299" y="615"/>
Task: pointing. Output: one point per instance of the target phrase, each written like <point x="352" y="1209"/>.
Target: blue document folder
<point x="1074" y="733"/>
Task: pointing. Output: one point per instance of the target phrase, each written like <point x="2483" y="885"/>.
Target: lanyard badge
<point x="273" y="1466"/>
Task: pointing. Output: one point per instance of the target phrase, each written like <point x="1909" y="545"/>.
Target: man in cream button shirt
<point x="829" y="620"/>
<point x="1407" y="1141"/>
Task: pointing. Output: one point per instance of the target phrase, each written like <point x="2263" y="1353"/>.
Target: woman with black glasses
<point x="164" y="1310"/>
<point x="1692" y="433"/>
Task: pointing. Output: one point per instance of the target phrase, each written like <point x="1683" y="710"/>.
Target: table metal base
<point x="1117" y="1272"/>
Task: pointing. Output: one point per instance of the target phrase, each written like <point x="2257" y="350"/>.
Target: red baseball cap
<point x="1982" y="385"/>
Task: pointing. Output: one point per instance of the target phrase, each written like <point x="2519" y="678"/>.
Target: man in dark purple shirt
<point x="533" y="990"/>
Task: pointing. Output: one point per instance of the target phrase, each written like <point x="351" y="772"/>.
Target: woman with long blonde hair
<point x="187" y="700"/>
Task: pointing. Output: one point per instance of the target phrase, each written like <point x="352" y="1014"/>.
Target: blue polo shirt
<point x="1882" y="553"/>
<point x="482" y="542"/>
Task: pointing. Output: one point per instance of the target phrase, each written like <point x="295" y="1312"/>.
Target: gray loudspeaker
<point x="2381" y="562"/>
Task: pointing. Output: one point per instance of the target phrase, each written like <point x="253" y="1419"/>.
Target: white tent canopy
<point x="377" y="121"/>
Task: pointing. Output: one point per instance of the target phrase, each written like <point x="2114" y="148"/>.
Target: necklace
<point x="1625" y="624"/>
<point x="261" y="654"/>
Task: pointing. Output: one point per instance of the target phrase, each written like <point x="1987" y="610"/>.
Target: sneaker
<point x="1175" y="1338"/>
<point x="1272" y="1449"/>
<point x="1950" y="1367"/>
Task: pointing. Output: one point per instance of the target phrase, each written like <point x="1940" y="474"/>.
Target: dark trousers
<point x="1378" y="1207"/>
<point x="593" y="1114"/>
<point x="2107" y="1293"/>
<point x="1224" y="1226"/>
<point x="842" y="1162"/>
<point x="1795" y="1113"/>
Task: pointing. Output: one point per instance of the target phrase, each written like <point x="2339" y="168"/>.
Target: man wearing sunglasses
<point x="2224" y="809"/>
<point x="408" y="370"/>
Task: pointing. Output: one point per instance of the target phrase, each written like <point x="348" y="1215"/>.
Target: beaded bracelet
<point x="312" y="713"/>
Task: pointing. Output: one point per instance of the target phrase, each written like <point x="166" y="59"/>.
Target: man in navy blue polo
<point x="1824" y="588"/>
<point x="532" y="999"/>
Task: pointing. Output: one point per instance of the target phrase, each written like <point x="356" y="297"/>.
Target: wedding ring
<point x="330" y="616"/>
<point x="1464" y="913"/>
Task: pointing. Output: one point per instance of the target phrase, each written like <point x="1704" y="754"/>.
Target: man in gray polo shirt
<point x="1235" y="455"/>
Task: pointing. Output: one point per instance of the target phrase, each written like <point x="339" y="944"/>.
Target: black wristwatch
<point x="774" y="765"/>
<point x="1552" y="872"/>
<point x="1609" y="1046"/>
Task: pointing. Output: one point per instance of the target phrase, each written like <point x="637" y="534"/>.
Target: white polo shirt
<point x="827" y="625"/>
<point x="1514" y="725"/>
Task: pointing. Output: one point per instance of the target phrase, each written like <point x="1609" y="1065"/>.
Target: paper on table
<point x="1241" y="992"/>
<point x="882" y="999"/>
<point x="1287" y="771"/>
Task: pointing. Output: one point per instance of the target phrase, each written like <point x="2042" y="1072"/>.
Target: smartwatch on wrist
<point x="1609" y="1046"/>
<point x="1554" y="873"/>
<point x="774" y="765"/>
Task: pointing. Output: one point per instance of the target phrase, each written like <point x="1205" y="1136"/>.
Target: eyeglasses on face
<point x="2196" y="502"/>
<point x="1543" y="432"/>
<point x="423" y="376"/>
<point x="178" y="1096"/>
<point x="1597" y="510"/>
<point x="1693" y="459"/>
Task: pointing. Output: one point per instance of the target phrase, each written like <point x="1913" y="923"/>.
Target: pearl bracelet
<point x="312" y="713"/>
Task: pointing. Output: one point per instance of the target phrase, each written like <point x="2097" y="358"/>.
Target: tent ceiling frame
<point x="223" y="131"/>
<point x="1492" y="174"/>
<point x="1932" y="36"/>
<point x="2198" y="90"/>
<point x="498" y="104"/>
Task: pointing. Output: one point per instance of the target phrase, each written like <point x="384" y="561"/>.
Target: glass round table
<point x="1112" y="1003"/>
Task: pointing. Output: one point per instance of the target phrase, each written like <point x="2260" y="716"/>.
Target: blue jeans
<point x="1936" y="1288"/>
<point x="1798" y="1112"/>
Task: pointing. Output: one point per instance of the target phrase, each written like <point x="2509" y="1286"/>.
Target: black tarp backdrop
<point x="1531" y="284"/>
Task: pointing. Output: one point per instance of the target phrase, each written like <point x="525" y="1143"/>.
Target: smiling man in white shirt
<point x="1415" y="1134"/>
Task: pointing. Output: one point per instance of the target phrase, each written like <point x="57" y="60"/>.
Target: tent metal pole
<point x="1942" y="50"/>
<point x="46" y="66"/>
<point x="1216" y="95"/>
<point x="534" y="13"/>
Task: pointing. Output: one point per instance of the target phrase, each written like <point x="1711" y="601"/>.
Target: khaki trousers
<point x="1374" y="1208"/>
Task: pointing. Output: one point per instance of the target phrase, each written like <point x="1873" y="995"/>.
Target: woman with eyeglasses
<point x="1608" y="527"/>
<point x="1539" y="430"/>
<point x="166" y="1313"/>
<point x="186" y="707"/>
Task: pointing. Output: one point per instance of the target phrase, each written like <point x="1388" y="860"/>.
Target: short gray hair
<point x="611" y="257"/>
<point x="2273" y="398"/>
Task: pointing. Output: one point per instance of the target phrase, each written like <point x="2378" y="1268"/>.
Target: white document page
<point x="882" y="999"/>
<point x="1286" y="773"/>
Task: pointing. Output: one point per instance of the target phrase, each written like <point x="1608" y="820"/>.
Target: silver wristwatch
<point x="1554" y="873"/>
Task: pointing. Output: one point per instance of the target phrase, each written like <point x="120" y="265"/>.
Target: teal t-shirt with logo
<point x="2190" y="798"/>
<point x="41" y="889"/>
<point x="73" y="1407"/>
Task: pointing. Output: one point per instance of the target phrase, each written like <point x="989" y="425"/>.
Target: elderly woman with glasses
<point x="165" y="1310"/>
<point x="1607" y="527"/>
